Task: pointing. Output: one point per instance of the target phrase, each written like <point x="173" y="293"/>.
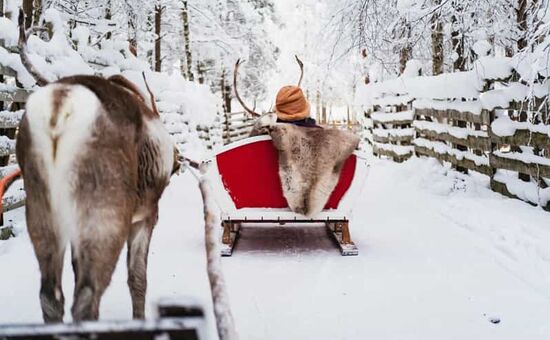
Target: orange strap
<point x="5" y="183"/>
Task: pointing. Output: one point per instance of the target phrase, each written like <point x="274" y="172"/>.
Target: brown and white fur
<point x="95" y="160"/>
<point x="310" y="162"/>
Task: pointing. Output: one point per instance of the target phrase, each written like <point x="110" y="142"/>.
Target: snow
<point x="401" y="150"/>
<point x="443" y="148"/>
<point x="504" y="126"/>
<point x="185" y="106"/>
<point x="441" y="256"/>
<point x="444" y="88"/>
<point x="482" y="48"/>
<point x="527" y="191"/>
<point x="454" y="131"/>
<point x="524" y="157"/>
<point x="385" y="117"/>
<point x="393" y="132"/>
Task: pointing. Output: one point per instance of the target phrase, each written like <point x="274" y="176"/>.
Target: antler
<point x="301" y="69"/>
<point x="22" y="44"/>
<point x="246" y="108"/>
<point x="151" y="95"/>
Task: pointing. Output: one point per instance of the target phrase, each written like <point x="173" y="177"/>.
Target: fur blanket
<point x="310" y="161"/>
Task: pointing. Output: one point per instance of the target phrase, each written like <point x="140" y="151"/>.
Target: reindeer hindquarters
<point x="138" y="250"/>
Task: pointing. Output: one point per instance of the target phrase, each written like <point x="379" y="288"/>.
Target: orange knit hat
<point x="291" y="104"/>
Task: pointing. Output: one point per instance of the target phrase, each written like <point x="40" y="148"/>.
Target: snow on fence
<point x="12" y="99"/>
<point x="236" y="126"/>
<point x="484" y="120"/>
<point x="392" y="131"/>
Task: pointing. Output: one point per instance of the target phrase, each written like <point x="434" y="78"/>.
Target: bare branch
<point x="22" y="44"/>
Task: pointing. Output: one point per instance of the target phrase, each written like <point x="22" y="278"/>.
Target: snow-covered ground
<point x="441" y="257"/>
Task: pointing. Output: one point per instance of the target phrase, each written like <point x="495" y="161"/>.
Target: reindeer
<point x="95" y="159"/>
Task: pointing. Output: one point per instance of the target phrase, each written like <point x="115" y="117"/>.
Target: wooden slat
<point x="523" y="137"/>
<point x="480" y="143"/>
<point x="8" y="150"/>
<point x="11" y="204"/>
<point x="7" y="71"/>
<point x="502" y="189"/>
<point x="396" y="157"/>
<point x="532" y="169"/>
<point x="391" y="139"/>
<point x="393" y="122"/>
<point x="9" y="119"/>
<point x="465" y="163"/>
<point x="483" y="118"/>
<point x="17" y="96"/>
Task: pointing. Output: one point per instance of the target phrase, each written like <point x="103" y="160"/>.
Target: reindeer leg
<point x="52" y="300"/>
<point x="138" y="251"/>
<point x="96" y="255"/>
<point x="49" y="250"/>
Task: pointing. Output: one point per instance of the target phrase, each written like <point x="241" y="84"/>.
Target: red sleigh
<point x="248" y="190"/>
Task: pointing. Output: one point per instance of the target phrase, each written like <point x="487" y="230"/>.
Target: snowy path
<point x="439" y="259"/>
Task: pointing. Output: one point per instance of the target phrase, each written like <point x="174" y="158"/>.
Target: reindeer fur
<point x="95" y="160"/>
<point x="310" y="161"/>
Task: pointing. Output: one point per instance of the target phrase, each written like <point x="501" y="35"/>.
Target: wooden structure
<point x="175" y="321"/>
<point x="392" y="131"/>
<point x="509" y="142"/>
<point x="12" y="101"/>
<point x="236" y="126"/>
<point x="248" y="191"/>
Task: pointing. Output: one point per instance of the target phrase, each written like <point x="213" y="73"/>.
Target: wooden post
<point x="226" y="237"/>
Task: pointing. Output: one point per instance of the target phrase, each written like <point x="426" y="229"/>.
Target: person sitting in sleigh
<point x="292" y="107"/>
<point x="310" y="157"/>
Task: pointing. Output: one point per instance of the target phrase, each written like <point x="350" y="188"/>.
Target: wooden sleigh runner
<point x="248" y="190"/>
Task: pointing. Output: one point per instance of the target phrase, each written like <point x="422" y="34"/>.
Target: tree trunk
<point x="187" y="41"/>
<point x="406" y="50"/>
<point x="437" y="42"/>
<point x="28" y="9"/>
<point x="37" y="12"/>
<point x="226" y="94"/>
<point x="1" y="8"/>
<point x="158" y="17"/>
<point x="108" y="16"/>
<point x="521" y="20"/>
<point x="132" y="31"/>
<point x="458" y="47"/>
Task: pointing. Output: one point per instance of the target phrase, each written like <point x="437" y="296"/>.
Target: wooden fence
<point x="12" y="101"/>
<point x="236" y="126"/>
<point x="392" y="131"/>
<point x="509" y="144"/>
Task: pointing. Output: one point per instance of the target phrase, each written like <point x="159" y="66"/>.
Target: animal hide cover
<point x="310" y="161"/>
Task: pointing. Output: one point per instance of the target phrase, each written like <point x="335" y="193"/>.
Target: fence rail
<point x="236" y="126"/>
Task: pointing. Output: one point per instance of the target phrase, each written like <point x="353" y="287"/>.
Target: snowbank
<point x="185" y="106"/>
